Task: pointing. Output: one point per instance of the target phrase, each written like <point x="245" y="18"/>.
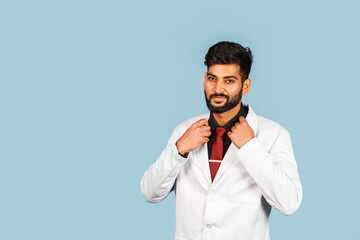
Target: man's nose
<point x="219" y="87"/>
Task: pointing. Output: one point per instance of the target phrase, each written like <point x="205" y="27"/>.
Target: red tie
<point x="217" y="152"/>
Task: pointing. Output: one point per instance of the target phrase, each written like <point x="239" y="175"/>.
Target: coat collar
<point x="252" y="120"/>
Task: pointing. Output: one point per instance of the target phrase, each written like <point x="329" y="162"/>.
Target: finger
<point x="245" y="121"/>
<point x="242" y="119"/>
<point x="198" y="123"/>
<point x="206" y="133"/>
<point x="205" y="140"/>
<point x="205" y="128"/>
<point x="202" y="122"/>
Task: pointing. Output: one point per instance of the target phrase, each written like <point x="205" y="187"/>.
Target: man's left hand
<point x="241" y="133"/>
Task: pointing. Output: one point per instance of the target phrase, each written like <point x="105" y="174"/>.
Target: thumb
<point x="242" y="119"/>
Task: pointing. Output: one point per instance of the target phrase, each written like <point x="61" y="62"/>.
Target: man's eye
<point x="229" y="81"/>
<point x="211" y="79"/>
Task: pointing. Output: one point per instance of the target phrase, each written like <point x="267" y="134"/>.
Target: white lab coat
<point x="237" y="204"/>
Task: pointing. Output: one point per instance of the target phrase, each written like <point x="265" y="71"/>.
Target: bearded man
<point x="228" y="167"/>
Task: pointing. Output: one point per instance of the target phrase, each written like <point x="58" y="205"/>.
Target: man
<point x="227" y="167"/>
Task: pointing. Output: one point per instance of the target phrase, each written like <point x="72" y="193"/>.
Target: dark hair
<point x="228" y="53"/>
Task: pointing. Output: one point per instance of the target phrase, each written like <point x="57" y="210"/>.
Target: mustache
<point x="218" y="95"/>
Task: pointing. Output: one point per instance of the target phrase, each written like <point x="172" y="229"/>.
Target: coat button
<point x="208" y="225"/>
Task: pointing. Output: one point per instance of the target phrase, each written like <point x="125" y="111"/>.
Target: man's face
<point x="222" y="87"/>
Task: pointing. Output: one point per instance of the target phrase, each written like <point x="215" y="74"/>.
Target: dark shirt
<point x="213" y="125"/>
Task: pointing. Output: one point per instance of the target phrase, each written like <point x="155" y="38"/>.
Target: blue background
<point x="91" y="91"/>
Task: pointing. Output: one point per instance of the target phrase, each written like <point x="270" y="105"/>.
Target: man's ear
<point x="205" y="79"/>
<point x="246" y="86"/>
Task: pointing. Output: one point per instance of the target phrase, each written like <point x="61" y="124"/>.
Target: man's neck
<point x="225" y="117"/>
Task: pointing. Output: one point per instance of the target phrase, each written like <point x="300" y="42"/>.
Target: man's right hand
<point x="197" y="134"/>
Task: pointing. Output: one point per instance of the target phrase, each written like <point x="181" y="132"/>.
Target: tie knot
<point x="220" y="131"/>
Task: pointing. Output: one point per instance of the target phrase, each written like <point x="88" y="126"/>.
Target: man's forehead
<point x="224" y="69"/>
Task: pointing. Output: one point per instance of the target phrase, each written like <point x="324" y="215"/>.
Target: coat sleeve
<point x="274" y="172"/>
<point x="159" y="179"/>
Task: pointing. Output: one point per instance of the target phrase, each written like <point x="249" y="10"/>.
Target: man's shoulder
<point x="265" y="124"/>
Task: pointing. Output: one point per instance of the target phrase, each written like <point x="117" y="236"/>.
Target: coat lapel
<point x="230" y="156"/>
<point x="227" y="161"/>
<point x="203" y="160"/>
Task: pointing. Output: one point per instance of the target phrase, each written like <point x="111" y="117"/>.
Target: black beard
<point x="229" y="104"/>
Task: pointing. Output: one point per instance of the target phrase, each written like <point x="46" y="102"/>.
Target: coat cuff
<point x="178" y="157"/>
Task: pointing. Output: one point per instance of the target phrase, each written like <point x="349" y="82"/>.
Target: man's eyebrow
<point x="231" y="76"/>
<point x="212" y="75"/>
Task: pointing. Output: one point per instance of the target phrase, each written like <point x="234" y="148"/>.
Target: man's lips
<point x="218" y="98"/>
